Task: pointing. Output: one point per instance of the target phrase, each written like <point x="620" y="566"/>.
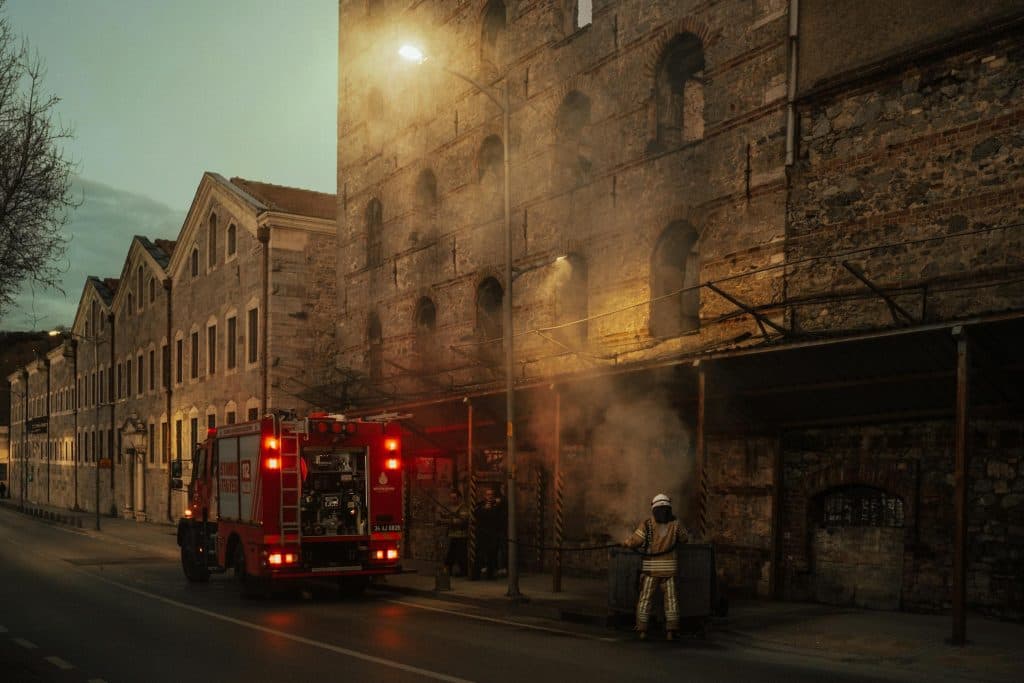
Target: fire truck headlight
<point x="379" y="555"/>
<point x="392" y="554"/>
<point x="274" y="558"/>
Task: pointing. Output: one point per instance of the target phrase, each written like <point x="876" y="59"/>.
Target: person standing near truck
<point x="657" y="537"/>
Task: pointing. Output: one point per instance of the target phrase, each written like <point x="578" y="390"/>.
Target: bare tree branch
<point x="35" y="177"/>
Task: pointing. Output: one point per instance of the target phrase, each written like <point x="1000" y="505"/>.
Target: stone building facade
<point x="766" y="241"/>
<point x="222" y="324"/>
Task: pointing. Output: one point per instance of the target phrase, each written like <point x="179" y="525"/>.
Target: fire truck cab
<point x="284" y="499"/>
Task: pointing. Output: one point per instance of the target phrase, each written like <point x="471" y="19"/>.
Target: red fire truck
<point x="281" y="499"/>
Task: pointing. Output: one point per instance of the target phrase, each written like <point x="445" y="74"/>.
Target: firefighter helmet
<point x="661" y="500"/>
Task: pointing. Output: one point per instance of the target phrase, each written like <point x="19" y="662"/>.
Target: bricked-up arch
<point x="426" y="189"/>
<point x="425" y="322"/>
<point x="572" y="122"/>
<point x="374" y="220"/>
<point x="374" y="121"/>
<point x="375" y="344"/>
<point x="494" y="33"/>
<point x="675" y="273"/>
<point x="679" y="92"/>
<point x="490" y="160"/>
<point x="489" y="326"/>
<point x="571" y="301"/>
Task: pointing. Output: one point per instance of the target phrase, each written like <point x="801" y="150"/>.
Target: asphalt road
<point x="76" y="608"/>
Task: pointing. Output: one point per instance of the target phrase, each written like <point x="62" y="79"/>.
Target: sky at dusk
<point x="159" y="91"/>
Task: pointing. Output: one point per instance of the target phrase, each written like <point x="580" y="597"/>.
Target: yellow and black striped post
<point x="556" y="568"/>
<point x="471" y="540"/>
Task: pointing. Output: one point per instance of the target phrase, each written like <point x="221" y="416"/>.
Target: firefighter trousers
<point x="643" y="605"/>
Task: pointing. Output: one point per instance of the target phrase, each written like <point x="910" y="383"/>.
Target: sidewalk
<point x="912" y="644"/>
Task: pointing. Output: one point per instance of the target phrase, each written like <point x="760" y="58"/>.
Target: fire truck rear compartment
<point x="334" y="493"/>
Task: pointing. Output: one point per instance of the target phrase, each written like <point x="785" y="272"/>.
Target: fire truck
<point x="284" y="499"/>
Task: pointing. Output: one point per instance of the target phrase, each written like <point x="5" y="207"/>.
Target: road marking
<point x="355" y="654"/>
<point x="59" y="663"/>
<point x="507" y="622"/>
<point x="27" y="644"/>
<point x="96" y="680"/>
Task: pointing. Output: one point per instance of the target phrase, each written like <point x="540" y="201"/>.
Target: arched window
<point x="490" y="160"/>
<point x="152" y="290"/>
<point x="139" y="279"/>
<point x="426" y="324"/>
<point x="572" y="154"/>
<point x="679" y="92"/>
<point x="375" y="348"/>
<point x="675" y="273"/>
<point x="584" y="12"/>
<point x="232" y="239"/>
<point x="194" y="262"/>
<point x="494" y="33"/>
<point x="211" y="242"/>
<point x="489" y="327"/>
<point x="571" y="302"/>
<point x="426" y="189"/>
<point x="374" y="240"/>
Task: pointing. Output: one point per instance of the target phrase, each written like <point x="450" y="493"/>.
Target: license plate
<point x="331" y="501"/>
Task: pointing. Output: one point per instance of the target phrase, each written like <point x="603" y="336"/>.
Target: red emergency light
<point x="270" y="443"/>
<point x="392" y="464"/>
<point x="211" y="432"/>
<point x="391" y="444"/>
<point x="273" y="463"/>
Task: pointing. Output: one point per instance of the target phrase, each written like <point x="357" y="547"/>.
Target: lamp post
<point x="95" y="341"/>
<point x="416" y="55"/>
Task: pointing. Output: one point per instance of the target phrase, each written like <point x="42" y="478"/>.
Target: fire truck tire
<point x="248" y="585"/>
<point x="192" y="562"/>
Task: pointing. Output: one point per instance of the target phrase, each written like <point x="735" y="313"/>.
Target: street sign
<point x="38" y="425"/>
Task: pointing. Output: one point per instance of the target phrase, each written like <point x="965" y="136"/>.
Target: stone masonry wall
<point x="915" y="178"/>
<point x="611" y="215"/>
<point x="915" y="462"/>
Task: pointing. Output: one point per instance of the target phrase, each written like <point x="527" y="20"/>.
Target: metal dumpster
<point x="695" y="584"/>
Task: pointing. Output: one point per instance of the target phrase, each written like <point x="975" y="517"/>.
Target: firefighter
<point x="657" y="537"/>
<point x="458" y="532"/>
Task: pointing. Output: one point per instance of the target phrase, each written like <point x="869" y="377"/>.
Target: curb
<point x="69" y="519"/>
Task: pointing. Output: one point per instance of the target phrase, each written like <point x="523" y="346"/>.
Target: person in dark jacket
<point x="491" y="518"/>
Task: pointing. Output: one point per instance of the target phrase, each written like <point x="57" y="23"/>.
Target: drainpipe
<point x="165" y="432"/>
<point x="110" y="400"/>
<point x="46" y="362"/>
<point x="24" y="437"/>
<point x="263" y="234"/>
<point x="793" y="47"/>
<point x="74" y="441"/>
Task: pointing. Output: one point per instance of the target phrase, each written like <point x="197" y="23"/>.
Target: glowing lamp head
<point x="188" y="513"/>
<point x="391" y="464"/>
<point x="411" y="53"/>
<point x="391" y="445"/>
<point x="273" y="463"/>
<point x="270" y="443"/>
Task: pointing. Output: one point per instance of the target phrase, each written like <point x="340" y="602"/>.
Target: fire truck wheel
<point x="248" y="585"/>
<point x="192" y="562"/>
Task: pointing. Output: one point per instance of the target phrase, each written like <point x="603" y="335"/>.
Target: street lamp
<point x="95" y="341"/>
<point x="414" y="54"/>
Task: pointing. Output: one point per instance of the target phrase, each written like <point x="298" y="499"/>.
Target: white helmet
<point x="661" y="500"/>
